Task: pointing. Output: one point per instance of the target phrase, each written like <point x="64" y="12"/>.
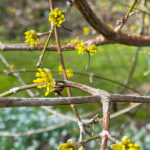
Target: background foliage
<point x="111" y="61"/>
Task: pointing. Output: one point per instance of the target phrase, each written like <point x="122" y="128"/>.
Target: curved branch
<point x="100" y="27"/>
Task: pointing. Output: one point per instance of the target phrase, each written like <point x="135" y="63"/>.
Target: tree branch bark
<point x="100" y="27"/>
<point x="30" y="102"/>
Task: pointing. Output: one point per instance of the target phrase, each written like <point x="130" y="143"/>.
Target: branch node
<point x="14" y="90"/>
<point x="104" y="133"/>
<point x="2" y="46"/>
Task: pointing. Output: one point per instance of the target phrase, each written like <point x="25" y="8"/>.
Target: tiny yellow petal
<point x="44" y="78"/>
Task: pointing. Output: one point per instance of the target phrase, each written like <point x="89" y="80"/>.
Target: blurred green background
<point x="112" y="62"/>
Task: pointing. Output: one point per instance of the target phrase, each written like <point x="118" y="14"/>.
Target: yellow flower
<point x="86" y="30"/>
<point x="56" y="17"/>
<point x="70" y="145"/>
<point x="81" y="48"/>
<point x="11" y="9"/>
<point x="110" y="25"/>
<point x="146" y="20"/>
<point x="31" y="16"/>
<point x="60" y="69"/>
<point x="12" y="66"/>
<point x="126" y="145"/>
<point x="44" y="77"/>
<point x="133" y="27"/>
<point x="69" y="72"/>
<point x="76" y="40"/>
<point x="31" y="37"/>
<point x="103" y="4"/>
<point x="92" y="49"/>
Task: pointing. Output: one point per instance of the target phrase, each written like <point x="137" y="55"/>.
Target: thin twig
<point x="124" y="20"/>
<point x="17" y="89"/>
<point x="82" y="74"/>
<point x="125" y="5"/>
<point x="45" y="47"/>
<point x="65" y="75"/>
<point x="134" y="61"/>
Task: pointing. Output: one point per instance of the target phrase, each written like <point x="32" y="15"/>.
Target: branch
<point x="106" y="118"/>
<point x="135" y="58"/>
<point x="78" y="73"/>
<point x="124" y="20"/>
<point x="31" y="132"/>
<point x="100" y="27"/>
<point x="17" y="89"/>
<point x="99" y="40"/>
<point x="30" y="102"/>
<point x="125" y="5"/>
<point x="45" y="47"/>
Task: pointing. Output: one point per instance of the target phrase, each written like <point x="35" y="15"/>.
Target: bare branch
<point x="106" y="118"/>
<point x="31" y="132"/>
<point x="124" y="20"/>
<point x="100" y="27"/>
<point x="123" y="111"/>
<point x="30" y="102"/>
<point x="100" y="40"/>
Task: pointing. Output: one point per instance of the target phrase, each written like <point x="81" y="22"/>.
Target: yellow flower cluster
<point x="44" y="77"/>
<point x="103" y="4"/>
<point x="81" y="48"/>
<point x="126" y="145"/>
<point x="70" y="145"/>
<point x="110" y="25"/>
<point x="68" y="71"/>
<point x="76" y="40"/>
<point x="11" y="9"/>
<point x="31" y="37"/>
<point x="56" y="17"/>
<point x="92" y="49"/>
<point x="86" y="30"/>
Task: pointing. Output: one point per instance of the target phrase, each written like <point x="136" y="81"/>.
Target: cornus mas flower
<point x="70" y="145"/>
<point x="126" y="145"/>
<point x="56" y="17"/>
<point x="31" y="37"/>
<point x="76" y="40"/>
<point x="81" y="48"/>
<point x="92" y="49"/>
<point x="69" y="72"/>
<point x="86" y="30"/>
<point x="44" y="77"/>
